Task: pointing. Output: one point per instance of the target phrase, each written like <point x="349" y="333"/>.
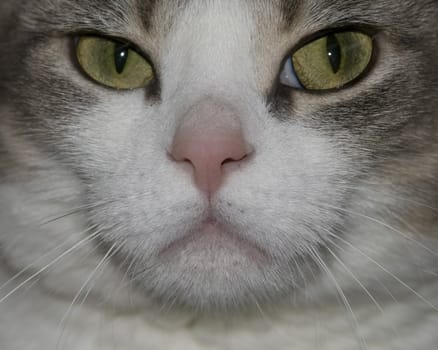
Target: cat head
<point x="224" y="154"/>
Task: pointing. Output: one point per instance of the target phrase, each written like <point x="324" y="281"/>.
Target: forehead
<point x="154" y="15"/>
<point x="160" y="16"/>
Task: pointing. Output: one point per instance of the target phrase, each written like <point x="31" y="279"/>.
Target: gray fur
<point x="381" y="162"/>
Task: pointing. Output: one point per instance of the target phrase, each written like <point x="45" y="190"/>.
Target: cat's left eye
<point x="330" y="62"/>
<point x="113" y="64"/>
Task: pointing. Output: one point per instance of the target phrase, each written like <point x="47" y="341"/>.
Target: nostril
<point x="235" y="159"/>
<point x="228" y="160"/>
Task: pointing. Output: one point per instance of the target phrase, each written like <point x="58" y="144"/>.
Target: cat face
<point x="222" y="181"/>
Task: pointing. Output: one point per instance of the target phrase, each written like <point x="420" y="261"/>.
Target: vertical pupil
<point x="121" y="53"/>
<point x="334" y="52"/>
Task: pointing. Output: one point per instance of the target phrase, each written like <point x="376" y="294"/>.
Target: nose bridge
<point x="209" y="47"/>
<point x="210" y="114"/>
<point x="223" y="35"/>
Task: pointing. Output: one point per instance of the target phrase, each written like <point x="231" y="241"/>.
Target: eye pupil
<point x="121" y="54"/>
<point x="334" y="52"/>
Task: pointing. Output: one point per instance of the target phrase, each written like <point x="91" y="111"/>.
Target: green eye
<point x="329" y="62"/>
<point x="113" y="64"/>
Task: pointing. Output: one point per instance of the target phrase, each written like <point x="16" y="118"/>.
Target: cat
<point x="218" y="174"/>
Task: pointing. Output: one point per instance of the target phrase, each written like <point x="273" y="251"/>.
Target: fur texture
<point x="336" y="209"/>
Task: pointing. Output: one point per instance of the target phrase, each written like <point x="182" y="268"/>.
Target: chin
<point x="213" y="269"/>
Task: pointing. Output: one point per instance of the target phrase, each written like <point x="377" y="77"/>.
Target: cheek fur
<point x="313" y="156"/>
<point x="281" y="200"/>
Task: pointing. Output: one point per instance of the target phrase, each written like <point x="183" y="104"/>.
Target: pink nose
<point x="212" y="152"/>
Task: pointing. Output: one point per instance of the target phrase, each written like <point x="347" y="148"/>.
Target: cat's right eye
<point x="113" y="64"/>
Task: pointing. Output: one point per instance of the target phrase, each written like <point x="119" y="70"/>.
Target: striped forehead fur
<point x="112" y="14"/>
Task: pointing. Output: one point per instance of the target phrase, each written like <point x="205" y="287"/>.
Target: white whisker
<point x="361" y="341"/>
<point x="49" y="265"/>
<point x="393" y="196"/>
<point x="72" y="212"/>
<point x="373" y="299"/>
<point x="62" y="323"/>
<point x="384" y="224"/>
<point x="40" y="259"/>
<point x="404" y="284"/>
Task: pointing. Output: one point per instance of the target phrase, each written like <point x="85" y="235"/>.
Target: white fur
<point x="152" y="201"/>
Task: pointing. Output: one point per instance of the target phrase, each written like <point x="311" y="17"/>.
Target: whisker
<point x="166" y="308"/>
<point x="122" y="281"/>
<point x="49" y="265"/>
<point x="41" y="258"/>
<point x="393" y="196"/>
<point x="384" y="224"/>
<point x="361" y="341"/>
<point x="63" y="323"/>
<point x="379" y="307"/>
<point x="300" y="272"/>
<point x="72" y="212"/>
<point x="373" y="299"/>
<point x="386" y="289"/>
<point x="137" y="276"/>
<point x="280" y="332"/>
<point x="104" y="265"/>
<point x="404" y="284"/>
<point x="269" y="322"/>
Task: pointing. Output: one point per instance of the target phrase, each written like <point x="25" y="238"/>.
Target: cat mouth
<point x="213" y="240"/>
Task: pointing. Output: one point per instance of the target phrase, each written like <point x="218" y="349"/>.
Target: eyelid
<point x="129" y="45"/>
